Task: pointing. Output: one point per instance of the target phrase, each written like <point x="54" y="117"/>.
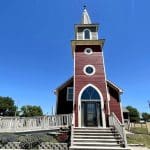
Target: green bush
<point x="5" y="138"/>
<point x="29" y="141"/>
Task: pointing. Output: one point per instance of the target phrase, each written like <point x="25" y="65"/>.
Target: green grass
<point x="139" y="139"/>
<point x="140" y="136"/>
<point x="139" y="130"/>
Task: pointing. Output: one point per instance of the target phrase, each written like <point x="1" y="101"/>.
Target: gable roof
<point x="124" y="109"/>
<point x="64" y="84"/>
<point x="110" y="83"/>
<point x="113" y="85"/>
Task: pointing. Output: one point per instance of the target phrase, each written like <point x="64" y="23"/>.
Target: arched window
<point x="86" y="34"/>
<point x="90" y="93"/>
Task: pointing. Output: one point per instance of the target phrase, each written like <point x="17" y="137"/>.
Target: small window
<point x="89" y="70"/>
<point x="88" y="51"/>
<point x="70" y="94"/>
<point x="86" y="34"/>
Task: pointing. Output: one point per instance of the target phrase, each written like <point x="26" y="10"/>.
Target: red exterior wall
<point x="81" y="80"/>
<point x="114" y="103"/>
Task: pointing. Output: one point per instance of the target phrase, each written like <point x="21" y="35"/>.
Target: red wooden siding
<point x="114" y="103"/>
<point x="81" y="80"/>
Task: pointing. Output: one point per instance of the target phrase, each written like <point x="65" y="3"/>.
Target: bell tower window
<point x="86" y="34"/>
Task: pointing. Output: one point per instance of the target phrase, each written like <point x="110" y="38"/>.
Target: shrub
<point x="5" y="138"/>
<point x="63" y="137"/>
<point x="29" y="141"/>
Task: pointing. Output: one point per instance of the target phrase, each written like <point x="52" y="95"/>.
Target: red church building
<point x="88" y="94"/>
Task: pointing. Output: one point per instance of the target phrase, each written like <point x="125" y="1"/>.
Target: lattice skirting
<point x="53" y="146"/>
<point x="44" y="145"/>
<point x="10" y="145"/>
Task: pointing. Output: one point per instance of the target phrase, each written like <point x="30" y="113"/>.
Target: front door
<point x="90" y="114"/>
<point x="90" y="108"/>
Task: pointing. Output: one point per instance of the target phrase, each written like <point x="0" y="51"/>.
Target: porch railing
<point x="25" y="124"/>
<point x="72" y="129"/>
<point x="114" y="121"/>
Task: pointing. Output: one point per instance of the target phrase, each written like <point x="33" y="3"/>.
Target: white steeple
<point x="85" y="17"/>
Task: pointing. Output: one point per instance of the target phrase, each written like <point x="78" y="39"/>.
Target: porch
<point x="34" y="124"/>
<point x="47" y="123"/>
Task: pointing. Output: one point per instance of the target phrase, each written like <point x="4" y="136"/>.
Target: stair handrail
<point x="72" y="129"/>
<point x="114" y="121"/>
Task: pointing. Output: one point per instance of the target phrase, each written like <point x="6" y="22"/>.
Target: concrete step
<point x="107" y="144"/>
<point x="92" y="138"/>
<point x="96" y="137"/>
<point x="93" y="128"/>
<point x="96" y="148"/>
<point x="97" y="140"/>
<point x="95" y="133"/>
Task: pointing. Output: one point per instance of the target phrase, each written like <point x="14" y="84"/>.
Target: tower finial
<point x="84" y="6"/>
<point x="85" y="16"/>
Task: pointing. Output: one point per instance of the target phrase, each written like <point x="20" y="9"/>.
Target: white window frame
<point x="68" y="88"/>
<point x="85" y="51"/>
<point x="89" y="74"/>
<point x="102" y="105"/>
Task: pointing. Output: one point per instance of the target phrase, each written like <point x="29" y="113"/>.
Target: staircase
<point x="92" y="138"/>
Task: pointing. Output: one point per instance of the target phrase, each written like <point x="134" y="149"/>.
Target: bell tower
<point x="90" y="105"/>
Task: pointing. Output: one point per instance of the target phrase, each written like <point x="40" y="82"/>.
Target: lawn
<point x="140" y="136"/>
<point x="139" y="130"/>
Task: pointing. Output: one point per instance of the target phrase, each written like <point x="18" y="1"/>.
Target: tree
<point x="29" y="111"/>
<point x="133" y="113"/>
<point x="146" y="116"/>
<point x="7" y="106"/>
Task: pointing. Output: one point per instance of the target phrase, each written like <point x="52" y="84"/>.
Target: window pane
<point x="70" y="90"/>
<point x="89" y="70"/>
<point x="86" y="34"/>
<point x="90" y="94"/>
<point x="70" y="96"/>
<point x="70" y="93"/>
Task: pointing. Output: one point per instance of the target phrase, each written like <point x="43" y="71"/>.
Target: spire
<point x="85" y="17"/>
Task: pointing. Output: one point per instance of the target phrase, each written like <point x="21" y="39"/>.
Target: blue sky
<point x="35" y="48"/>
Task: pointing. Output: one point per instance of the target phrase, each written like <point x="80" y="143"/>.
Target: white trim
<point x="89" y="74"/>
<point x="115" y="86"/>
<point x="121" y="109"/>
<point x="84" y="34"/>
<point x="76" y="37"/>
<point x="86" y="51"/>
<point x="73" y="116"/>
<point x="56" y="104"/>
<point x="101" y="100"/>
<point x="97" y="35"/>
<point x="68" y="88"/>
<point x="108" y="98"/>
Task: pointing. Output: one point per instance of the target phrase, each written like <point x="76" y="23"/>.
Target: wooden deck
<point x="29" y="124"/>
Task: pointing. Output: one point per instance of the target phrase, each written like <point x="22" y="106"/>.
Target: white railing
<point x="72" y="129"/>
<point x="114" y="121"/>
<point x="25" y="124"/>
